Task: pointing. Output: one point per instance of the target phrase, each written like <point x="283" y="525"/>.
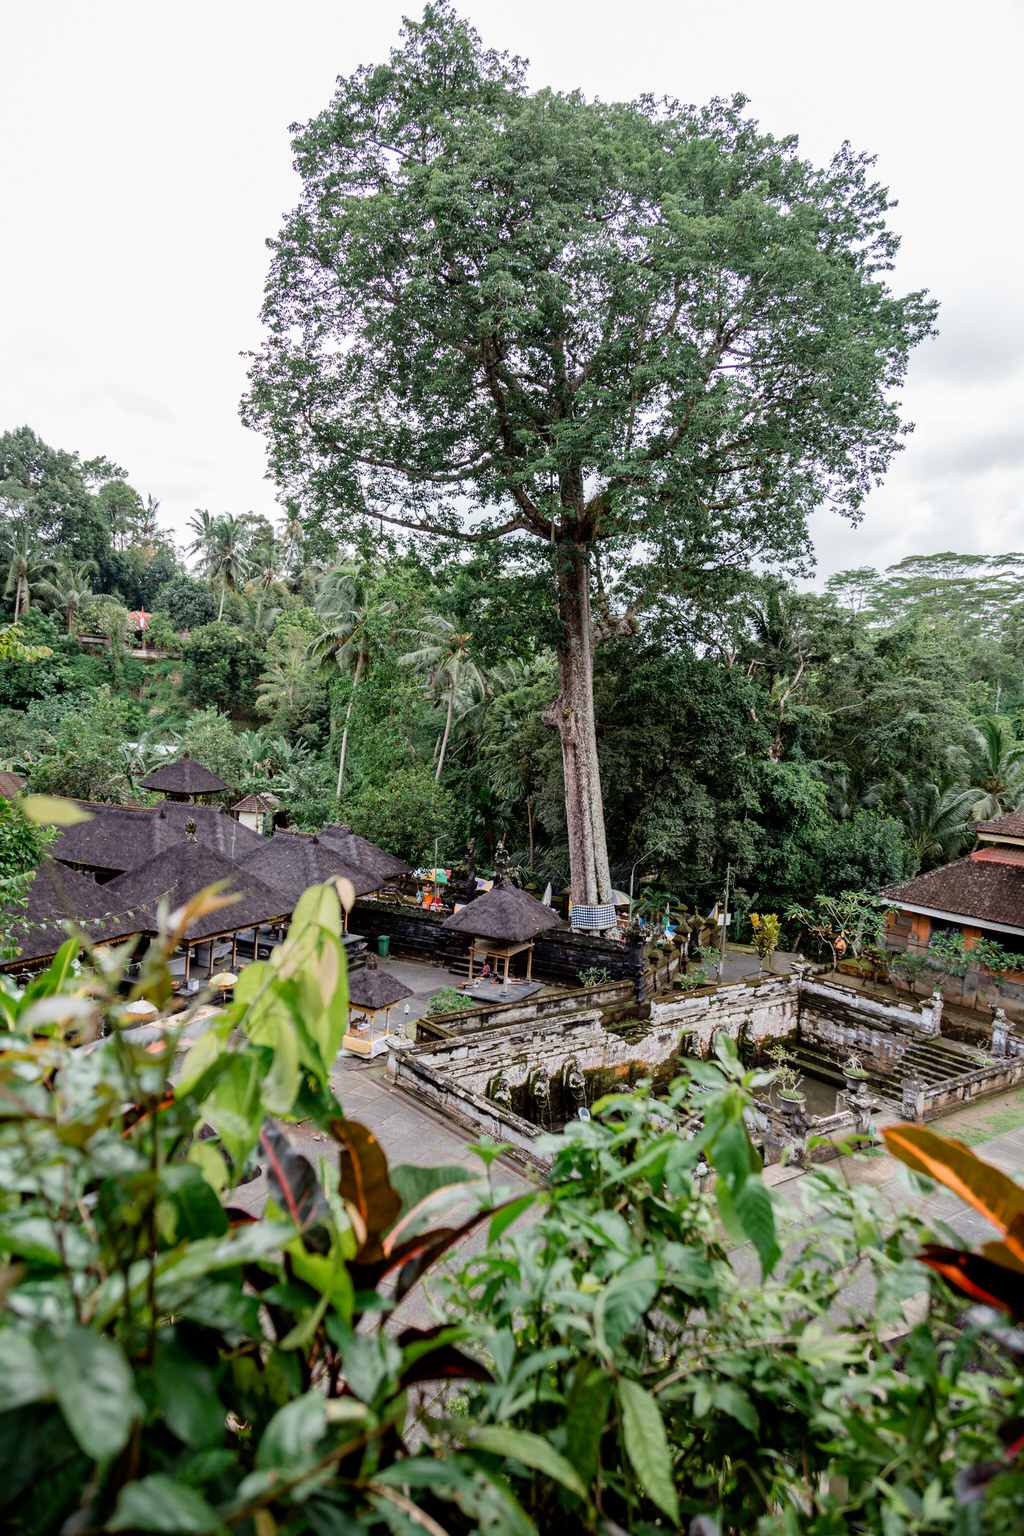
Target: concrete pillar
<point x="1001" y="1030"/>
<point x="913" y="1100"/>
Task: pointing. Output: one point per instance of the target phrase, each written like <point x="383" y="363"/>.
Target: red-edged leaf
<point x="292" y="1179"/>
<point x="996" y="1285"/>
<point x="437" y="1362"/>
<point x="363" y="1181"/>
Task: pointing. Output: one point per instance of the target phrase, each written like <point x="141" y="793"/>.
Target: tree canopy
<point x="636" y="342"/>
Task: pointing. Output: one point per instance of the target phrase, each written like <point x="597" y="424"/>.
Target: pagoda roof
<point x="184" y="777"/>
<point x="364" y="855"/>
<point x="294" y="861"/>
<point x="504" y="913"/>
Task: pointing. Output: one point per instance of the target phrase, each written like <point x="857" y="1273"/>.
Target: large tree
<point x="635" y="342"/>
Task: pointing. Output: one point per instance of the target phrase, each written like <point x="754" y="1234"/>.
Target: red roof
<point x="998" y="853"/>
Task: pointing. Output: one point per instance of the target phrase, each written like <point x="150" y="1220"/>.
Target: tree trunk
<point x="348" y="713"/>
<point x="447" y="728"/>
<point x="223" y="594"/>
<point x="573" y="715"/>
<point x="529" y="821"/>
<point x="17" y="599"/>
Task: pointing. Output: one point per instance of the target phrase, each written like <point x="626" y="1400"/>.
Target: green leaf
<point x="197" y="1212"/>
<point x="586" y="1419"/>
<point x="46" y="810"/>
<point x="159" y="1503"/>
<point x="414" y="1184"/>
<point x="754" y="1211"/>
<point x="187" y="1395"/>
<point x="290" y="1441"/>
<point x="23" y="1377"/>
<point x="624" y="1300"/>
<point x="643" y="1430"/>
<point x="506" y="1215"/>
<point x="731" y="1399"/>
<point x="94" y="1387"/>
<point x="532" y="1451"/>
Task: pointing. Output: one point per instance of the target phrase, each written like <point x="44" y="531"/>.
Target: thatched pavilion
<point x="372" y="992"/>
<point x="57" y="895"/>
<point x="184" y="780"/>
<point x="182" y="872"/>
<point x="293" y="861"/>
<point x="502" y="923"/>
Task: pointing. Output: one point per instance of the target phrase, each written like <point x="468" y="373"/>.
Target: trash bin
<point x="383" y="944"/>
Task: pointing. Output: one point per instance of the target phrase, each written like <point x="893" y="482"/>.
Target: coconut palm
<point x="67" y="587"/>
<point x="231" y="564"/>
<point x="848" y="794"/>
<point x="442" y="657"/>
<point x="281" y="683"/>
<point x="345" y="607"/>
<point x="996" y="768"/>
<point x="259" y="617"/>
<point x="938" y="818"/>
<point x="202" y="525"/>
<point x="25" y="562"/>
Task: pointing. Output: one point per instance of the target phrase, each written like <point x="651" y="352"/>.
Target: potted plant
<point x="766" y="926"/>
<point x="787" y="1080"/>
<point x="855" y="1074"/>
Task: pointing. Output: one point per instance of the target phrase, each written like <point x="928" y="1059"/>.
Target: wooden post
<point x="529" y="963"/>
<point x="234" y="949"/>
<point x="188" y="960"/>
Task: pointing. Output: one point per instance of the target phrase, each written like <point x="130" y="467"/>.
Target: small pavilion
<point x="184" y="780"/>
<point x="255" y="811"/>
<point x="372" y="992"/>
<point x="503" y="922"/>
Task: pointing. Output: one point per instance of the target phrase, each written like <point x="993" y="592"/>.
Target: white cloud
<point x="145" y="159"/>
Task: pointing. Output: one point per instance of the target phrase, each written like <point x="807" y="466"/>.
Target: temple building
<point x="980" y="896"/>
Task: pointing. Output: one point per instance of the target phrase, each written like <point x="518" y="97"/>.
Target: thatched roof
<point x="364" y="855"/>
<point x="185" y="777"/>
<point x="116" y="838"/>
<point x="293" y="862"/>
<point x="376" y="989"/>
<point x="11" y="784"/>
<point x="120" y="837"/>
<point x="57" y="894"/>
<point x="504" y="913"/>
<point x="214" y="827"/>
<point x="181" y="873"/>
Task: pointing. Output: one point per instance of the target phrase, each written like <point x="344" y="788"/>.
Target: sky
<point x="145" y="160"/>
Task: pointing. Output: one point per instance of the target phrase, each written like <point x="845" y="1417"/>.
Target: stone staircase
<point x="929" y="1060"/>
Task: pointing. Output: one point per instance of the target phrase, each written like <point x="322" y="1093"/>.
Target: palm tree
<point x="938" y="818"/>
<point x="345" y="607"/>
<point x="25" y="562"/>
<point x="281" y="684"/>
<point x="259" y="617"/>
<point x="996" y="768"/>
<point x="442" y="655"/>
<point x="203" y="525"/>
<point x="68" y="586"/>
<point x="231" y="565"/>
<point x="848" y="794"/>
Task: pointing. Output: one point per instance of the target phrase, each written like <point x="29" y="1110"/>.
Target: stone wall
<point x="612" y="997"/>
<point x="927" y="1101"/>
<point x="755" y="1013"/>
<point x="840" y="1021"/>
